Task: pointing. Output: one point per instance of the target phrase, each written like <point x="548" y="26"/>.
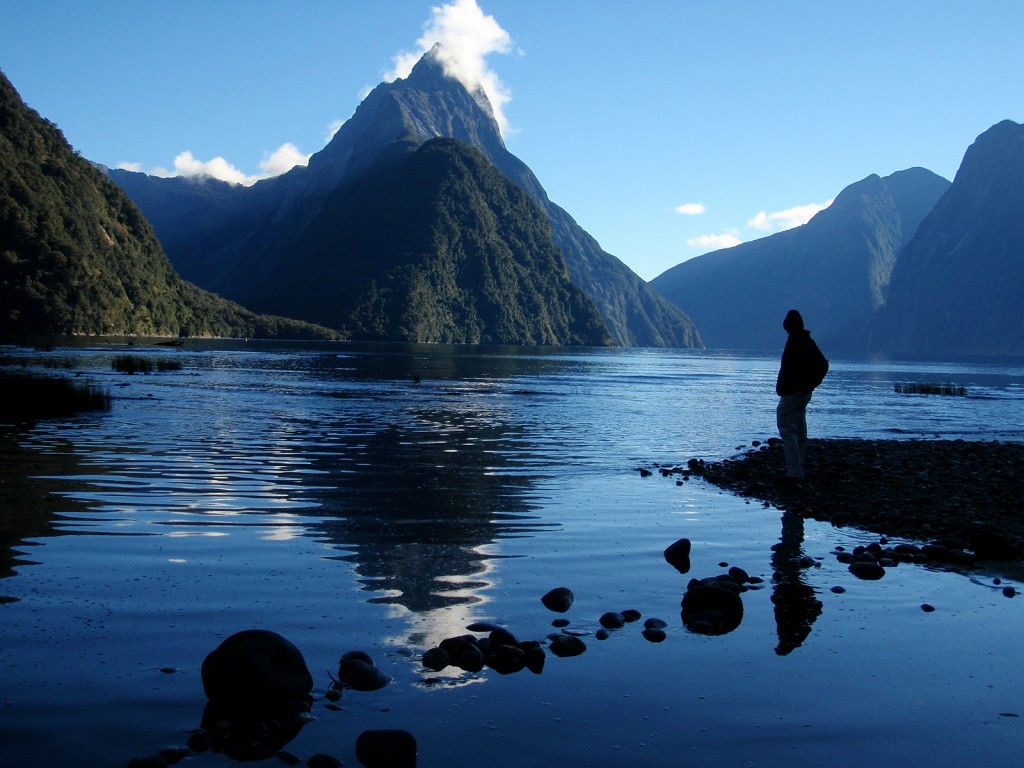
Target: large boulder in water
<point x="711" y="608"/>
<point x="255" y="667"/>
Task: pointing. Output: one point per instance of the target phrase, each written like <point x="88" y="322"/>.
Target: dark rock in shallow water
<point x="436" y="659"/>
<point x="386" y="749"/>
<point x="655" y="624"/>
<point x="357" y="671"/>
<point x="677" y="555"/>
<point x="654" y="634"/>
<point x="470" y="660"/>
<point x="535" y="656"/>
<point x="253" y="668"/>
<point x="559" y="599"/>
<point x="865" y="569"/>
<point x="612" y="620"/>
<point x="711" y="609"/>
<point x="567" y="645"/>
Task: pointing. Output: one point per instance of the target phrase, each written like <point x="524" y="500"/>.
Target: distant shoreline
<point x="968" y="494"/>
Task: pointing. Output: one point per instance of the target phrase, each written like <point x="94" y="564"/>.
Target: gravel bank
<point x="965" y="494"/>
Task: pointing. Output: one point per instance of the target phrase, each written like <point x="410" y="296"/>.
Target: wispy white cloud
<point x="714" y="242"/>
<point x="187" y="165"/>
<point x="691" y="209"/>
<point x="787" y="219"/>
<point x="283" y="159"/>
<point x="467" y="37"/>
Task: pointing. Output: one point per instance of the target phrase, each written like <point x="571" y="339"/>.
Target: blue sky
<point x="665" y="128"/>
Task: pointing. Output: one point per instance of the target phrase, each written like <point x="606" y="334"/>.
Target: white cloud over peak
<point x="283" y="159"/>
<point x="187" y="165"/>
<point x="787" y="219"/>
<point x="714" y="242"/>
<point x="691" y="209"/>
<point x="467" y="37"/>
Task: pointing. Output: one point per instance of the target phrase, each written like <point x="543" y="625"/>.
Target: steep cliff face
<point x="835" y="269"/>
<point x="958" y="286"/>
<point x="233" y="239"/>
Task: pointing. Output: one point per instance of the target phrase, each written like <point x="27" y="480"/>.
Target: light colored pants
<point x="791" y="417"/>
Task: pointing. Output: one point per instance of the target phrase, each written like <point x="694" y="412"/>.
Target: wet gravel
<point x="963" y="493"/>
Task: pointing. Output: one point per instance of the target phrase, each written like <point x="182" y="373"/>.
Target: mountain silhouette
<point x="77" y="256"/>
<point x="231" y="239"/>
<point x="835" y="268"/>
<point x="958" y="286"/>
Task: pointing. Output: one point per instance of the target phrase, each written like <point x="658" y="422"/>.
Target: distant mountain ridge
<point x="835" y="269"/>
<point x="77" y="256"/>
<point x="958" y="286"/>
<point x="229" y="239"/>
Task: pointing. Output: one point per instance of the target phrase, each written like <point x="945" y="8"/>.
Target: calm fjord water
<point x="383" y="497"/>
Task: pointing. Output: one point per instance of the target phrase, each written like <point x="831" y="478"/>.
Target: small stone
<point x="601" y="634"/>
<point x="654" y="634"/>
<point x="483" y="626"/>
<point x="612" y="620"/>
<point x="677" y="555"/>
<point x="740" y="575"/>
<point x="927" y="608"/>
<point x="655" y="624"/>
<point x="631" y="615"/>
<point x="436" y="659"/>
<point x="560" y="623"/>
<point x="1009" y="592"/>
<point x="355" y="672"/>
<point x="567" y="645"/>
<point x="559" y="599"/>
<point x="867" y="570"/>
<point x="838" y="590"/>
<point x="470" y="660"/>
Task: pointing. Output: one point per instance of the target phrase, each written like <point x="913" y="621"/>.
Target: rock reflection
<point x="796" y="602"/>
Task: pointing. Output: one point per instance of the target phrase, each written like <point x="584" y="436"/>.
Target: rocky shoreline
<point x="962" y="494"/>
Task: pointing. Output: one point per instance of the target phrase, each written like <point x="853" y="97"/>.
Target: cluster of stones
<point x="259" y="697"/>
<point x="712" y="605"/>
<point x="870" y="561"/>
<point x="500" y="650"/>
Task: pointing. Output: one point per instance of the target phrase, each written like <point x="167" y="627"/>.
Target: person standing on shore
<point x="802" y="370"/>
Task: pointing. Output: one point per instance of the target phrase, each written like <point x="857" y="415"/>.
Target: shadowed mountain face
<point x="77" y="256"/>
<point x="231" y="239"/>
<point x="435" y="245"/>
<point x="959" y="284"/>
<point x="835" y="269"/>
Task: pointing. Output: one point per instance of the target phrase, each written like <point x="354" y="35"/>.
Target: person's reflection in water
<point x="796" y="604"/>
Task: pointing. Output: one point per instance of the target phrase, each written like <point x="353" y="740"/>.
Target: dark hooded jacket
<point x="803" y="364"/>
